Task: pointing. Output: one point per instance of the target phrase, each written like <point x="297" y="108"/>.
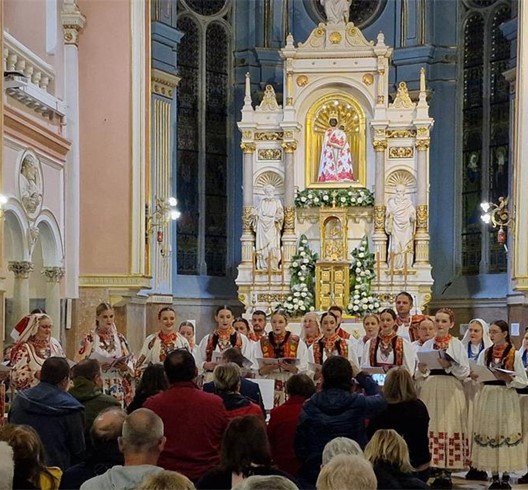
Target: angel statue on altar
<point x="336" y="159"/>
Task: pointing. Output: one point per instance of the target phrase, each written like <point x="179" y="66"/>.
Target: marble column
<point x="21" y="269"/>
<point x="380" y="237"/>
<point x="73" y="22"/>
<point x="53" y="277"/>
<point x="422" y="237"/>
<point x="289" y="238"/>
<point x="247" y="238"/>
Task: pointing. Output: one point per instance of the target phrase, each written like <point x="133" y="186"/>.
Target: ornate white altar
<point x="338" y="80"/>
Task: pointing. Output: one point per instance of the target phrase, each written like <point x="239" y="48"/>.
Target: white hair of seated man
<point x="345" y="471"/>
<point x="269" y="482"/>
<point x="7" y="466"/>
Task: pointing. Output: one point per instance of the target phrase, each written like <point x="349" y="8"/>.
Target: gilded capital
<point x="422" y="215"/>
<point x="289" y="219"/>
<point x="53" y="274"/>
<point x="22" y="269"/>
<point x="248" y="147"/>
<point x="423" y="145"/>
<point x="289" y="146"/>
<point x="379" y="218"/>
<point x="247" y="213"/>
<point x="73" y="22"/>
<point x="379" y="145"/>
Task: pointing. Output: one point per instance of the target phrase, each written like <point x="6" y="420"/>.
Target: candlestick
<point x="378" y="270"/>
<point x="392" y="269"/>
<point x="422" y="79"/>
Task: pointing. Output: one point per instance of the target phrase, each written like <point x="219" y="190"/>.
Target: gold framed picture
<point x="335" y="142"/>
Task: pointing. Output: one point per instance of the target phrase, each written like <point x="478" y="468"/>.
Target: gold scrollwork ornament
<point x="289" y="146"/>
<point x="421" y="217"/>
<point x="379" y="218"/>
<point x="248" y="147"/>
<point x="423" y="145"/>
<point x="247" y="218"/>
<point x="289" y="219"/>
<point x="379" y="145"/>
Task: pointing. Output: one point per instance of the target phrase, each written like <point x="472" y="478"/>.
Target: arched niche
<point x="49" y="240"/>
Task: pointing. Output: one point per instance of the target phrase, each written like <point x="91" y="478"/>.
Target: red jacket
<point x="194" y="424"/>
<point x="281" y="434"/>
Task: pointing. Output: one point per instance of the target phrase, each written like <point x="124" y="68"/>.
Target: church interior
<point x="260" y="154"/>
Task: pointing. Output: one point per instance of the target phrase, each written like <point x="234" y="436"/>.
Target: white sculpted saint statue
<point x="336" y="11"/>
<point x="335" y="164"/>
<point x="400" y="224"/>
<point x="267" y="222"/>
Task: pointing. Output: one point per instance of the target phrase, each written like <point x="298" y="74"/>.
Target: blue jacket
<point x="57" y="417"/>
<point x="333" y="413"/>
<point x="247" y="388"/>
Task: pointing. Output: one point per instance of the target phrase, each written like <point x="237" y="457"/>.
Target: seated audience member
<point x="87" y="389"/>
<point x="7" y="466"/>
<point x="245" y="452"/>
<point x="247" y="387"/>
<point x="55" y="414"/>
<point x="270" y="482"/>
<point x="333" y="412"/>
<point x="28" y="455"/>
<point x="283" y="423"/>
<point x="341" y="445"/>
<point x="226" y="378"/>
<point x="408" y="416"/>
<point x="194" y="420"/>
<point x="166" y="480"/>
<point x="388" y="453"/>
<point x="153" y="381"/>
<point x="141" y="444"/>
<point x="104" y="449"/>
<point x="343" y="472"/>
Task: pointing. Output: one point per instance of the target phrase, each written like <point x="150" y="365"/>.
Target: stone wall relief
<point x="30" y="184"/>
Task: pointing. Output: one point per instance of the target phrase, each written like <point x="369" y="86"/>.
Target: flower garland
<point x="302" y="270"/>
<point x="362" y="269"/>
<point x="320" y="198"/>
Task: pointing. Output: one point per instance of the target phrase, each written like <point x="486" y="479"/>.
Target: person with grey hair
<point x="269" y="482"/>
<point x="346" y="471"/>
<point x="7" y="466"/>
<point x="141" y="444"/>
<point x="340" y="445"/>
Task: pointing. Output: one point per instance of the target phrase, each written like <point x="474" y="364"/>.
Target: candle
<point x="422" y="79"/>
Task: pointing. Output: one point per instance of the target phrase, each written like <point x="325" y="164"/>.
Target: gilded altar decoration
<point x="379" y="145"/>
<point x="248" y="147"/>
<point x="247" y="213"/>
<point x="269" y="135"/>
<point x="334" y="240"/>
<point x="401" y="133"/>
<point x="422" y="215"/>
<point x="269" y="100"/>
<point x="423" y="132"/>
<point x="302" y="80"/>
<point x="402" y="99"/>
<point x="423" y="145"/>
<point x="247" y="134"/>
<point x="270" y="154"/>
<point x="368" y="79"/>
<point x="335" y="137"/>
<point x="289" y="219"/>
<point x="401" y="152"/>
<point x="379" y="218"/>
<point x="335" y="37"/>
<point x="289" y="146"/>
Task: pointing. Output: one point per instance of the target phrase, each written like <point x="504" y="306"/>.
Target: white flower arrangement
<point x="362" y="300"/>
<point x="349" y="197"/>
<point x="302" y="270"/>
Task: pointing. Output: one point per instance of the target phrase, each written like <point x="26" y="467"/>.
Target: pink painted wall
<point x="105" y="129"/>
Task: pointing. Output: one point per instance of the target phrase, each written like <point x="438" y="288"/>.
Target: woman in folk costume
<point x="223" y="337"/>
<point x="310" y="330"/>
<point x="241" y="325"/>
<point x="497" y="432"/>
<point x="186" y="329"/>
<point x="158" y="345"/>
<point x="523" y="399"/>
<point x="388" y="349"/>
<point x="371" y="324"/>
<point x="330" y="344"/>
<point x="442" y="392"/>
<point x="475" y="340"/>
<point x="33" y="345"/>
<point x="281" y="343"/>
<point x="110" y="348"/>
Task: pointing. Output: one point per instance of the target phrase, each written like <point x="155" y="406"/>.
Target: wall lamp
<point x="499" y="216"/>
<point x="164" y="212"/>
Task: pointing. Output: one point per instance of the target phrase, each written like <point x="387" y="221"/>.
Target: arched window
<point x="485" y="130"/>
<point x="204" y="63"/>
